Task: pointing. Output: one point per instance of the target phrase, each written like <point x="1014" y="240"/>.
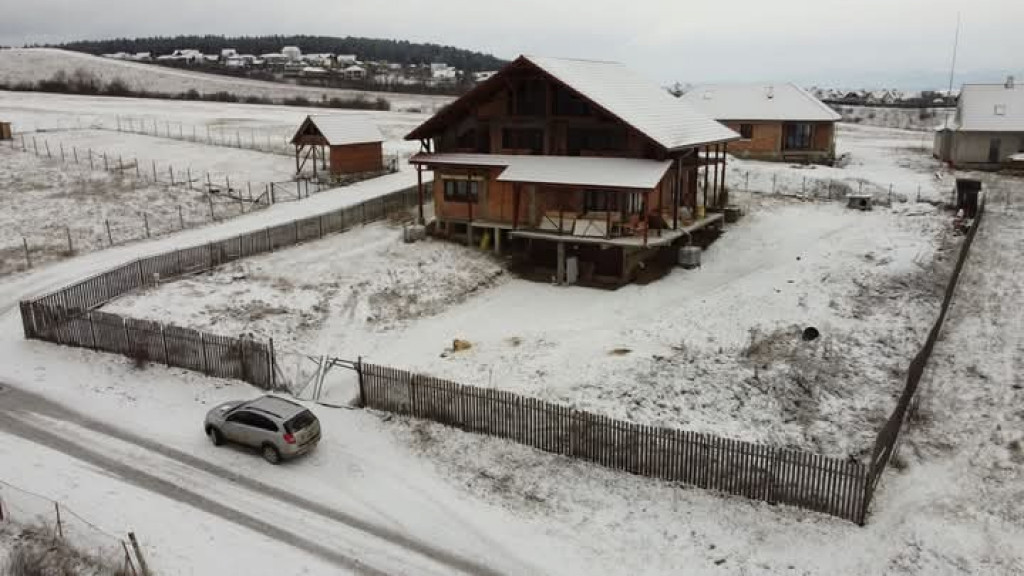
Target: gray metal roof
<point x="636" y="100"/>
<point x="990" y="108"/>
<point x="782" y="102"/>
<point x="635" y="173"/>
<point x="341" y="129"/>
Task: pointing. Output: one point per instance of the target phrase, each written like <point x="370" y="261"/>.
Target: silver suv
<point x="278" y="428"/>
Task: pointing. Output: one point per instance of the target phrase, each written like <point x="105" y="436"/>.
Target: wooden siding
<point x="356" y="158"/>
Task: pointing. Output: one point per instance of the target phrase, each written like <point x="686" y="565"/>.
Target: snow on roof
<point x="633" y="173"/>
<point x="990" y="108"/>
<point x="620" y="92"/>
<point x="759" y="102"/>
<point x="1017" y="157"/>
<point x="636" y="101"/>
<point x="340" y="130"/>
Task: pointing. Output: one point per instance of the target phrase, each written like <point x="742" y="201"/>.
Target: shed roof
<point x="990" y="108"/>
<point x="342" y="129"/>
<point x="783" y="102"/>
<point x="612" y="87"/>
<point x="633" y="173"/>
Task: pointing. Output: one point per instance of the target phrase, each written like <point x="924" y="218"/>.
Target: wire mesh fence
<point x="42" y="521"/>
<point x="104" y="200"/>
<point x="273" y="142"/>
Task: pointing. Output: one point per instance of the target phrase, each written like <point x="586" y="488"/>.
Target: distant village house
<point x="775" y="121"/>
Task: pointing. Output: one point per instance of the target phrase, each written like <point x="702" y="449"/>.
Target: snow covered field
<point x="715" y="350"/>
<point x="35" y="64"/>
<point x="876" y="159"/>
<point x="43" y="201"/>
<point x="31" y="112"/>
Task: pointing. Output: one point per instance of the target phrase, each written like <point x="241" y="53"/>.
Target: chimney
<point x="769" y="92"/>
<point x="1009" y="82"/>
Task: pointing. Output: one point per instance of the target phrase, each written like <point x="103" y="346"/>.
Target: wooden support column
<point x="560" y="266"/>
<point x="645" y="216"/>
<point x="707" y="150"/>
<point x="725" y="151"/>
<point x="678" y="193"/>
<point x="298" y="168"/>
<point x="419" y="193"/>
<point x="515" y="206"/>
<point x="714" y="195"/>
<point x="323" y="157"/>
<point x="469" y="207"/>
<point x="661" y="203"/>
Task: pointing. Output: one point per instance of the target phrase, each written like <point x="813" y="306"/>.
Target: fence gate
<point x="323" y="379"/>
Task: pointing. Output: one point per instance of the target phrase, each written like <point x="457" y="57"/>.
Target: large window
<point x="531" y="139"/>
<point x="569" y="104"/>
<point x="594" y="140"/>
<point x="747" y="131"/>
<point x="799" y="136"/>
<point x="461" y="190"/>
<point x="528" y="98"/>
<point x="598" y="200"/>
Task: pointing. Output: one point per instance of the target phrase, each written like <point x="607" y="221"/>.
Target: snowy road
<point x="231" y="496"/>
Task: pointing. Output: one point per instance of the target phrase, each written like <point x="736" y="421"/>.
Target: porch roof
<point x="632" y="173"/>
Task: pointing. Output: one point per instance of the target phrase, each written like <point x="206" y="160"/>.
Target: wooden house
<point x="342" y="144"/>
<point x="775" y="121"/>
<point x="583" y="167"/>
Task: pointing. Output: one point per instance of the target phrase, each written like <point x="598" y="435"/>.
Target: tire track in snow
<point x="18" y="409"/>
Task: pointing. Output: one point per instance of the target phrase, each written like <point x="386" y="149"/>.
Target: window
<point x="594" y="140"/>
<point x="798" y="136"/>
<point x="747" y="131"/>
<point x="461" y="190"/>
<point x="263" y="423"/>
<point x="1000" y="110"/>
<point x="598" y="200"/>
<point x="246" y="418"/>
<point x="569" y="104"/>
<point x="300" y="422"/>
<point x="528" y="99"/>
<point x="531" y="139"/>
<point x="634" y="203"/>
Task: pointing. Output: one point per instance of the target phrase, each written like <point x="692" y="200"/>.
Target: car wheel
<point x="215" y="436"/>
<point x="270" y="454"/>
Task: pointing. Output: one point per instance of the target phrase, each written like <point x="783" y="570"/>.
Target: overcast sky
<point x="810" y="41"/>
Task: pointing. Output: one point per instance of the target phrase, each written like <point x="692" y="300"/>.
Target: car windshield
<point x="300" y="422"/>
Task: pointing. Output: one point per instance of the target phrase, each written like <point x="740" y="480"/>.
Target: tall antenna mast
<point x="952" y="65"/>
<point x="956" y="43"/>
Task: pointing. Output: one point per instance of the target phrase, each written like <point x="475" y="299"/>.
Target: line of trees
<point x="397" y="51"/>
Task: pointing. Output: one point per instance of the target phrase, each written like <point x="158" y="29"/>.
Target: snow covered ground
<point x="248" y="123"/>
<point x="44" y="201"/>
<point x="951" y="508"/>
<point x="876" y="159"/>
<point x="35" y="64"/>
<point x="715" y="350"/>
<point x="925" y="119"/>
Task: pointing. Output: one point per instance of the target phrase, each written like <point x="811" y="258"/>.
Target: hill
<point x="35" y="65"/>
<point x="398" y="51"/>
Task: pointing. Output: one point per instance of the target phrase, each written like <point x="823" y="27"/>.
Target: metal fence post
<point x="110" y="237"/>
<point x="163" y="338"/>
<point x="71" y="248"/>
<point x="28" y="258"/>
<point x="181" y="218"/>
<point x="145" y="221"/>
<point x="60" y="526"/>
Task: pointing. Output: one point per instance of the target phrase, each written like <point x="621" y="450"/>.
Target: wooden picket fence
<point x="68" y="316"/>
<point x="755" y="471"/>
<point x="887" y="441"/>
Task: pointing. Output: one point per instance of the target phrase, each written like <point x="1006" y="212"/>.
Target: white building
<point x="354" y="72"/>
<point x="228" y="53"/>
<point x="987" y="129"/>
<point x="292" y="53"/>
<point x="346" y="59"/>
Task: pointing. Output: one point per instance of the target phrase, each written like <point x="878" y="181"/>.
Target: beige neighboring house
<point x="987" y="130"/>
<point x="775" y="121"/>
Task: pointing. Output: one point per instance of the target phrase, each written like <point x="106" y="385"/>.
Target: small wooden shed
<point x="5" y="131"/>
<point x="343" y="144"/>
